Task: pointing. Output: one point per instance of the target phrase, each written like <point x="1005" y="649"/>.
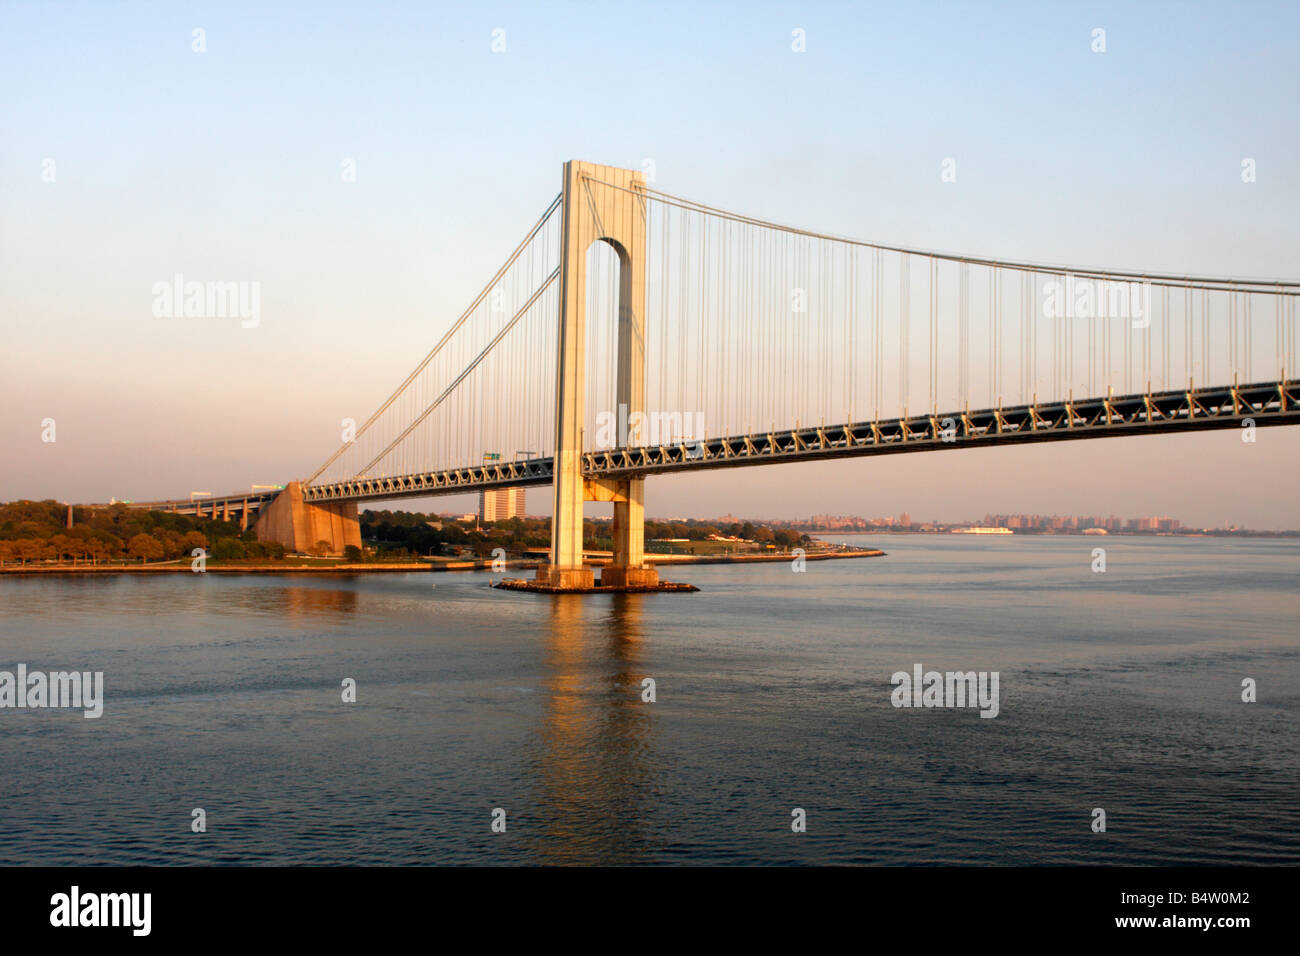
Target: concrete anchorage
<point x="300" y="525"/>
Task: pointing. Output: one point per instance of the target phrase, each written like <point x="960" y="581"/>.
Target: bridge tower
<point x="598" y="204"/>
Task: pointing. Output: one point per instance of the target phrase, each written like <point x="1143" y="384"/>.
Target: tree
<point x="352" y="553"/>
<point x="111" y="545"/>
<point x="228" y="549"/>
<point x="173" y="544"/>
<point x="61" y="547"/>
<point x="79" y="543"/>
<point x="27" y="549"/>
<point x="144" y="547"/>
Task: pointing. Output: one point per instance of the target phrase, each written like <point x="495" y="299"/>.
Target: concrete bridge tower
<point x="598" y="204"/>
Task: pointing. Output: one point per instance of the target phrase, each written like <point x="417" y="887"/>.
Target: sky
<point x="126" y="156"/>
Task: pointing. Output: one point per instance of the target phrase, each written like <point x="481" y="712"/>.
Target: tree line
<point x="33" y="532"/>
<point x="394" y="535"/>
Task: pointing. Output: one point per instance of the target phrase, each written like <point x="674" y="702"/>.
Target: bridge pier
<point x="628" y="568"/>
<point x="299" y="525"/>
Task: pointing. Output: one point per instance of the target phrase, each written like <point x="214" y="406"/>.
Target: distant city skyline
<point x="845" y="522"/>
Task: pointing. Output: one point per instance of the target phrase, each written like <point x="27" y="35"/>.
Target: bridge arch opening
<point x="607" y="293"/>
<point x="613" y="408"/>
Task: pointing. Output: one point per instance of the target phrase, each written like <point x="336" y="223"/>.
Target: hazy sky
<point x="226" y="164"/>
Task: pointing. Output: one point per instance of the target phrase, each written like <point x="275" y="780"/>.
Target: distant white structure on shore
<point x="982" y="531"/>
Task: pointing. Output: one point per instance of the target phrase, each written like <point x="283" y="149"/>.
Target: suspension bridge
<point x="633" y="332"/>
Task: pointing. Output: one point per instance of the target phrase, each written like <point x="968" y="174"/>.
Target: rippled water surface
<point x="1119" y="690"/>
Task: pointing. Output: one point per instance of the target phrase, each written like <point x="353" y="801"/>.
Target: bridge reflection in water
<point x="594" y="749"/>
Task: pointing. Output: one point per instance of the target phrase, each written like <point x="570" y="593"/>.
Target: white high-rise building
<point x="500" y="504"/>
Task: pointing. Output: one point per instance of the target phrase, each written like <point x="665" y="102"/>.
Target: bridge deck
<point x="1267" y="403"/>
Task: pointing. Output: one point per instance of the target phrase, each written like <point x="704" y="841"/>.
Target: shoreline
<point x="423" y="566"/>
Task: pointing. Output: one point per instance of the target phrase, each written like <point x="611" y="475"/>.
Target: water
<point x="1119" y="690"/>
